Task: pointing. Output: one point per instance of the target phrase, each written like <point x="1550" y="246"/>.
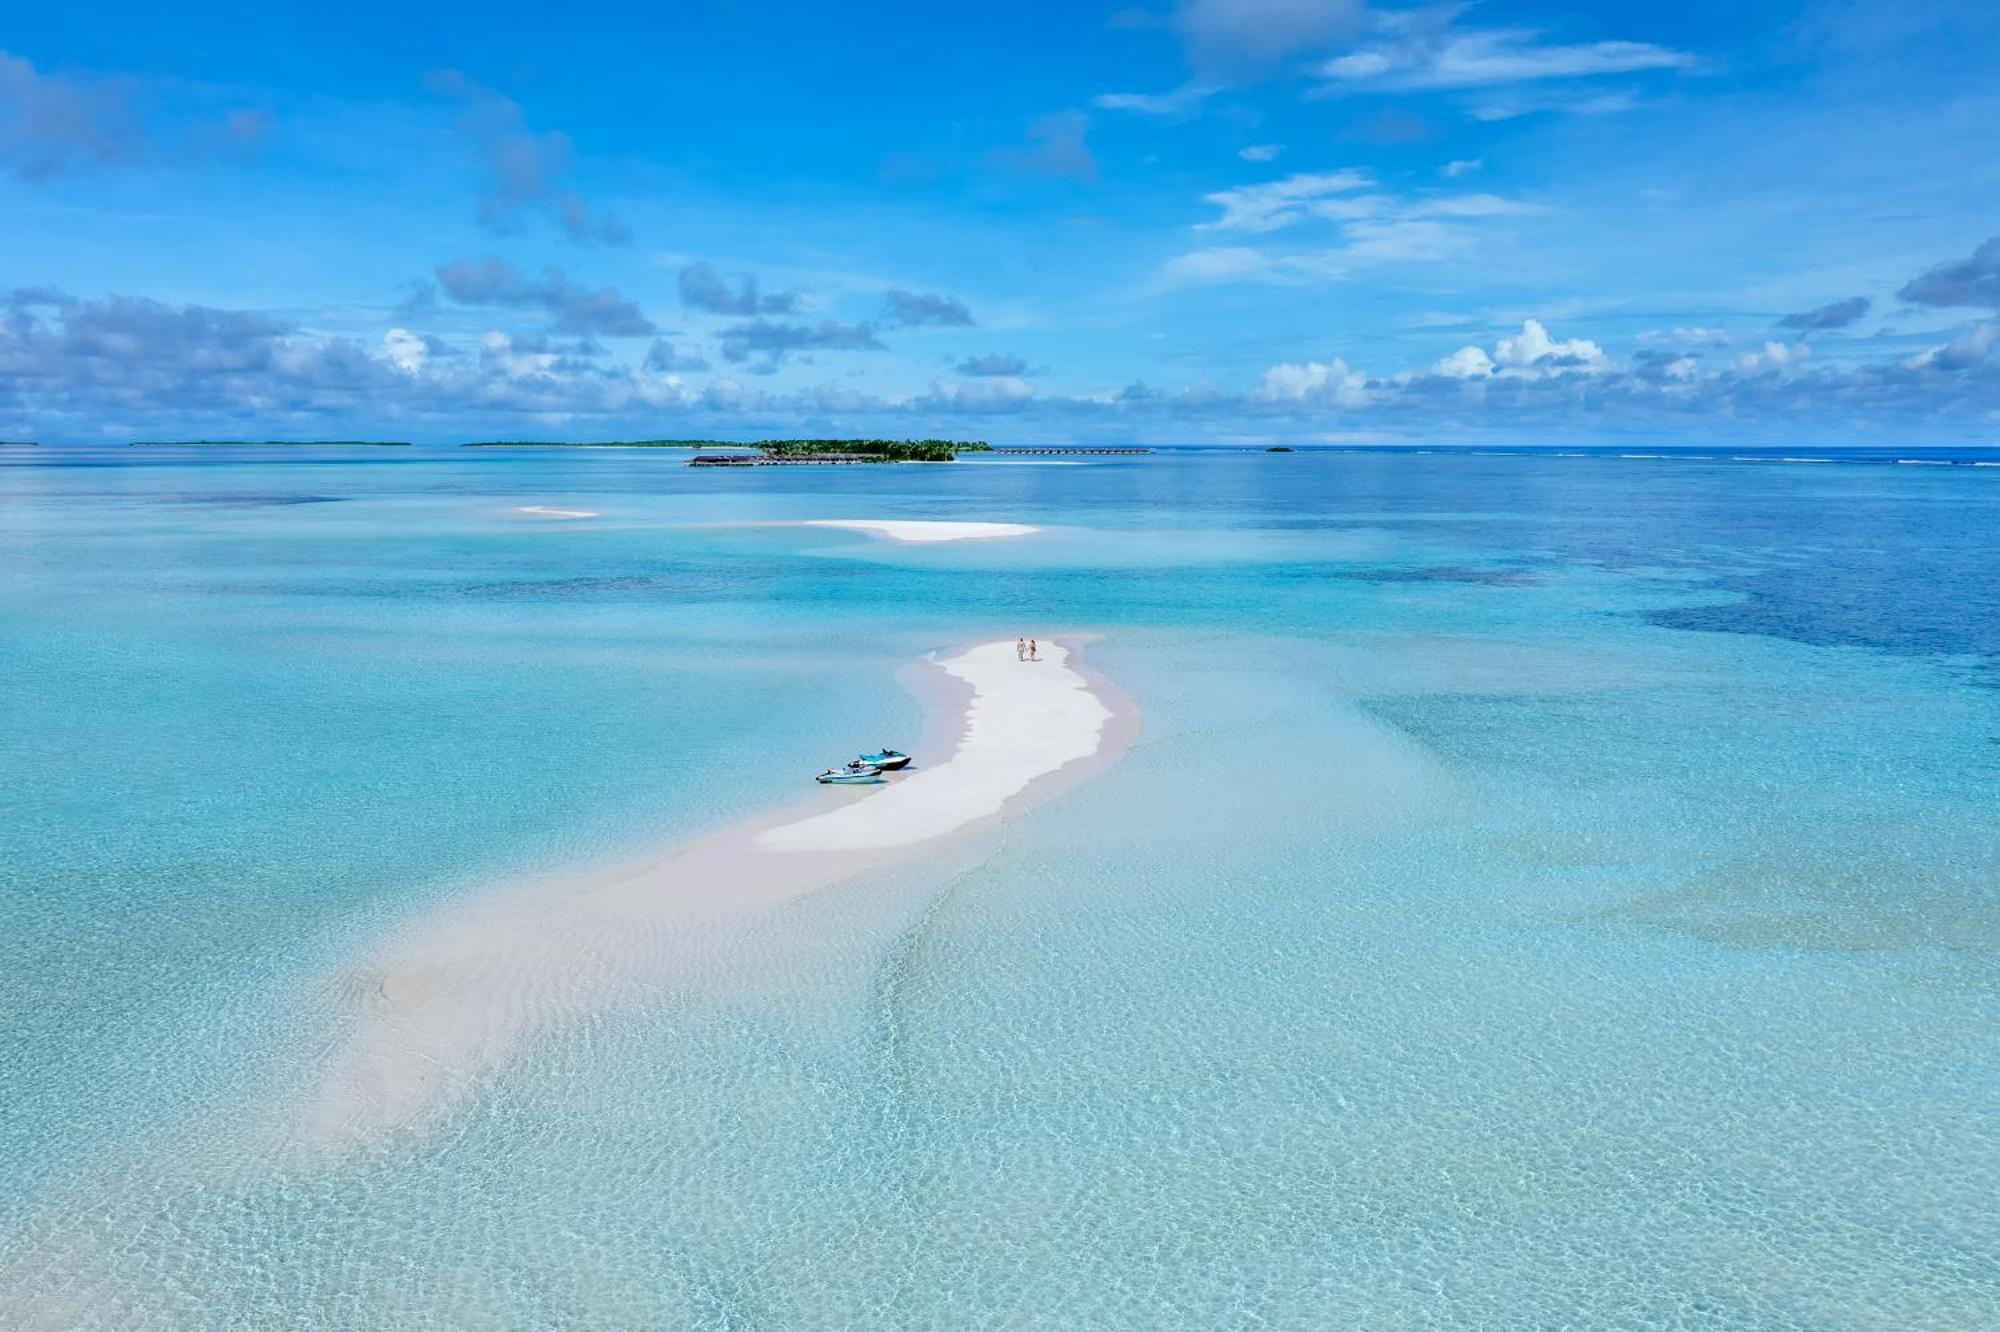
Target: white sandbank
<point x="544" y="511"/>
<point x="925" y="532"/>
<point x="451" y="995"/>
<point x="1026" y="719"/>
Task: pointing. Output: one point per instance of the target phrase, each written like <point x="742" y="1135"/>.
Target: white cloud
<point x="1529" y="354"/>
<point x="1682" y="336"/>
<point x="1465" y="363"/>
<point x="1961" y="353"/>
<point x="1222" y="264"/>
<point x="1337" y="196"/>
<point x="656" y="390"/>
<point x="1337" y="384"/>
<point x="1182" y="101"/>
<point x="405" y="350"/>
<point x="1775" y="358"/>
<point x="83" y="367"/>
<point x="1517" y="105"/>
<point x="1414" y="59"/>
<point x="1359" y="65"/>
<point x="1401" y="240"/>
<point x="498" y="354"/>
<point x="1533" y="348"/>
<point x="1280" y="203"/>
<point x="1470" y="205"/>
<point x="1373" y="228"/>
<point x="1261" y="152"/>
<point x="1463" y="166"/>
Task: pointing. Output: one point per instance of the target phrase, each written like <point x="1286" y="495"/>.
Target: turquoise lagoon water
<point x="1547" y="891"/>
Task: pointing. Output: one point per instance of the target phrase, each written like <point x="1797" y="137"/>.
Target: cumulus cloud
<point x="912" y="308"/>
<point x="993" y="364"/>
<point x="526" y="171"/>
<point x="575" y="309"/>
<point x="1334" y="384"/>
<point x="1529" y="354"/>
<point x="1962" y="353"/>
<point x="127" y="365"/>
<point x="62" y="358"/>
<point x="406" y="351"/>
<point x="1231" y="39"/>
<point x="1465" y="363"/>
<point x="54" y="125"/>
<point x="1973" y="280"/>
<point x="703" y="288"/>
<point x="1839" y="314"/>
<point x="1463" y="166"/>
<point x="1415" y="52"/>
<point x="1532" y="349"/>
<point x="773" y="340"/>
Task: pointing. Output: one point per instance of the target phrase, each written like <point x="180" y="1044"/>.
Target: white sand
<point x="1027" y="719"/>
<point x="544" y="511"/>
<point x="452" y="995"/>
<point x="925" y="532"/>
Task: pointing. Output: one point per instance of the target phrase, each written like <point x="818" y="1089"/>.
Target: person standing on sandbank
<point x="1020" y="649"/>
<point x="1033" y="651"/>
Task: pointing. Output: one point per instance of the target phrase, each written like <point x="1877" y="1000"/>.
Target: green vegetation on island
<point x="879" y="450"/>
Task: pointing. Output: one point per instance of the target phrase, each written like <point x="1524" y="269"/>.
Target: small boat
<point x="856" y="773"/>
<point x="888" y="760"/>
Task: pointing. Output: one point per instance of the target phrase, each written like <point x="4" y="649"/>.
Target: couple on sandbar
<point x="1026" y="650"/>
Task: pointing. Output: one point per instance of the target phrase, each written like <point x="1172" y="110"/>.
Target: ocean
<point x="1550" y="888"/>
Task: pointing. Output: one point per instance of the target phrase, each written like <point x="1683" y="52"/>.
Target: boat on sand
<point x="856" y="773"/>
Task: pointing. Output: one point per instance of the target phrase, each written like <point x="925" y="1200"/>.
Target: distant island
<point x="271" y="445"/>
<point x="753" y="452"/>
<point x="881" y="450"/>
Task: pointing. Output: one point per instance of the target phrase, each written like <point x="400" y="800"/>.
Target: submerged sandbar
<point x="925" y="531"/>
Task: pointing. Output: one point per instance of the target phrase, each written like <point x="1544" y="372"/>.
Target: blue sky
<point x="1203" y="220"/>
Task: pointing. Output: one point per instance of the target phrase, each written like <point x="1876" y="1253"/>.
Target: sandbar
<point x="545" y="511"/>
<point x="452" y="995"/>
<point x="925" y="531"/>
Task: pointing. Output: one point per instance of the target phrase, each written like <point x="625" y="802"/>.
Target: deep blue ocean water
<point x="1551" y="889"/>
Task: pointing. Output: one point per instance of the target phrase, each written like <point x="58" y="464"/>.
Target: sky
<point x="1232" y="221"/>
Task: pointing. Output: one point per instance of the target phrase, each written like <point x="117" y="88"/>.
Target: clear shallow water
<point x="1547" y="891"/>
